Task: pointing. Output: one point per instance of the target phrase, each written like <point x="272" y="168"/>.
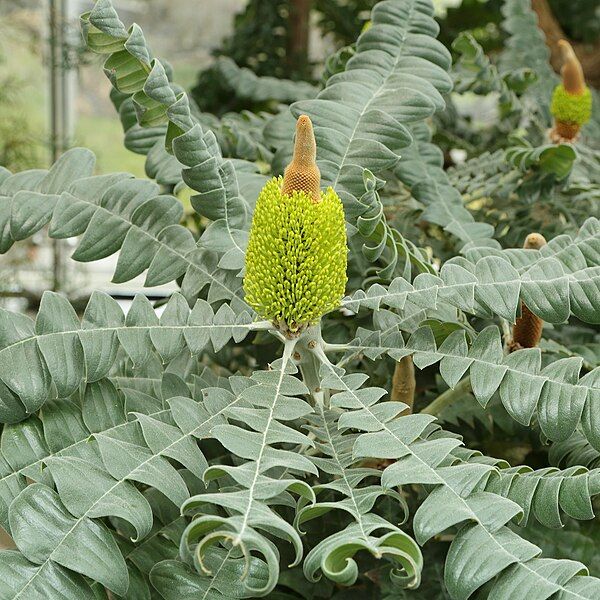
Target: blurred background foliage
<point x="216" y="53"/>
<point x="21" y="136"/>
<point x="264" y="36"/>
<point x="263" y="33"/>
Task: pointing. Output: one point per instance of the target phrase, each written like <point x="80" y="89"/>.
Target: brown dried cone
<point x="403" y="390"/>
<point x="403" y="383"/>
<point x="527" y="330"/>
<point x="302" y="173"/>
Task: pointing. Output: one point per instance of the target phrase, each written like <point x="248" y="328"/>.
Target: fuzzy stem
<point x="309" y="362"/>
<point x="318" y="352"/>
<point x="403" y="383"/>
<point x="309" y="367"/>
<point x="261" y="326"/>
<point x="448" y="397"/>
<point x="563" y="132"/>
<point x="334" y="347"/>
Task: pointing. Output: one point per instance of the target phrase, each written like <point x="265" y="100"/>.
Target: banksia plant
<point x="297" y="254"/>
<point x="226" y="465"/>
<point x="527" y="331"/>
<point x="572" y="100"/>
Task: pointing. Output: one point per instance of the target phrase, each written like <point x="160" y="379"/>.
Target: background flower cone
<point x="403" y="383"/>
<point x="571" y="100"/>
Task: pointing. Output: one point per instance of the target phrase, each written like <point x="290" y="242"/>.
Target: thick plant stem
<point x="527" y="331"/>
<point x="309" y="367"/>
<point x="307" y="359"/>
<point x="448" y="397"/>
<point x="403" y="383"/>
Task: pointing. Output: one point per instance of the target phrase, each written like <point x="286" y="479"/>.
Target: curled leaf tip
<point x="302" y="174"/>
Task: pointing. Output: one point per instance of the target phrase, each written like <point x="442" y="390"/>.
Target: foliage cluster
<point x="202" y="451"/>
<point x="261" y="43"/>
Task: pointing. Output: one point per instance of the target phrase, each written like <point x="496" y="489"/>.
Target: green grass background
<point x="26" y="105"/>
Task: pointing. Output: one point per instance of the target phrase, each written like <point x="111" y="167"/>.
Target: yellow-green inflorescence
<point x="297" y="255"/>
<point x="571" y="108"/>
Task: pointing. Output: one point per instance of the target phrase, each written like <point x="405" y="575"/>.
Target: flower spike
<point x="297" y="254"/>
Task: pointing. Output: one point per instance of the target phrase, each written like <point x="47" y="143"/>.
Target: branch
<point x="448" y="397"/>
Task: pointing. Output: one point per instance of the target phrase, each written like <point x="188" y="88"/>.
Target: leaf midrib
<point x="399" y="55"/>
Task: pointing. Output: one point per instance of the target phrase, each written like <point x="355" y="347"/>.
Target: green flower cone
<point x="297" y="255"/>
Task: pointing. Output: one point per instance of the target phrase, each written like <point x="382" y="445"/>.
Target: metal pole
<point x="61" y="104"/>
<point x="54" y="18"/>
